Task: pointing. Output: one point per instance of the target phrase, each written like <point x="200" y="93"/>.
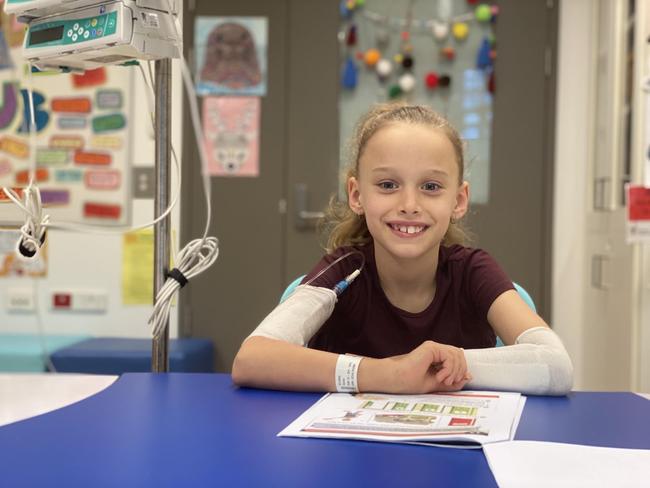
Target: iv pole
<point x="160" y="345"/>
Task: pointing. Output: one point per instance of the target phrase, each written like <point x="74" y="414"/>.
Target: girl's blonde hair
<point x="344" y="227"/>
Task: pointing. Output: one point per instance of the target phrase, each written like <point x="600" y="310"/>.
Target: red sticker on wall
<point x="5" y="198"/>
<point x="92" y="158"/>
<point x="102" y="210"/>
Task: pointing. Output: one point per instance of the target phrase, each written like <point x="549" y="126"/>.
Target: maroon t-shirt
<point x="364" y="322"/>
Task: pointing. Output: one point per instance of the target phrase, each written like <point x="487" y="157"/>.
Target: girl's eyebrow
<point x="431" y="172"/>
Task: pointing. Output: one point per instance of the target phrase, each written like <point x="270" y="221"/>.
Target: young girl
<point x="424" y="312"/>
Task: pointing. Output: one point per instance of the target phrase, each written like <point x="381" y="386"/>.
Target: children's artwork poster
<point x="638" y="213"/>
<point x="231" y="135"/>
<point x="82" y="143"/>
<point x="231" y="55"/>
<point x="12" y="265"/>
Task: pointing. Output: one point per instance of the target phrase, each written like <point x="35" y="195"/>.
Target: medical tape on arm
<point x="299" y="317"/>
<point x="538" y="364"/>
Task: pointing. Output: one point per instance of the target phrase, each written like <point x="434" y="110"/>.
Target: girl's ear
<point x="354" y="196"/>
<point x="462" y="201"/>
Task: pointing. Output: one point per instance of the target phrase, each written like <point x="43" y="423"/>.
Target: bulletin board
<point x="83" y="143"/>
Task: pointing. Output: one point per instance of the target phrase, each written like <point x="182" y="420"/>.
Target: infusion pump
<point x="78" y="35"/>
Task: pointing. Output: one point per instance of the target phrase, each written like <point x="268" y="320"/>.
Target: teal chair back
<point x="520" y="289"/>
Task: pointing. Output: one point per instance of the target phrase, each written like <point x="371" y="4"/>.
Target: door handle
<point x="304" y="218"/>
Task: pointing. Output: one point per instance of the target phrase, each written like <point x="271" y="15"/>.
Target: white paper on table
<point x="524" y="464"/>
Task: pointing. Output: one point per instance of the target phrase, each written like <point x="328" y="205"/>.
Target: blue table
<point x="199" y="430"/>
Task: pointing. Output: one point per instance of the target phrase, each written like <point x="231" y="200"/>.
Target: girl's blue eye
<point x="431" y="186"/>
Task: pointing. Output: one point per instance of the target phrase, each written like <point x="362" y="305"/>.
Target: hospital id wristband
<point x="346" y="373"/>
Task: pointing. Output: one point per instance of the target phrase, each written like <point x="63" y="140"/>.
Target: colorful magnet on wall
<point x="103" y="180"/>
<point x="384" y="68"/>
<point x="371" y="57"/>
<point x="68" y="175"/>
<point x="460" y="30"/>
<point x="102" y="210"/>
<point x="92" y="158"/>
<point x="407" y="62"/>
<point x="91" y="77"/>
<point x="16" y="147"/>
<point x="349" y="78"/>
<point x="394" y="91"/>
<point x="105" y="123"/>
<point x="444" y="81"/>
<point x="483" y="12"/>
<point x="55" y="197"/>
<point x="406" y="82"/>
<point x="66" y="141"/>
<point x="106" y="142"/>
<point x="440" y="30"/>
<point x="107" y="99"/>
<point x="41" y="174"/>
<point x="483" y="59"/>
<point x="51" y="157"/>
<point x="74" y="123"/>
<point x="72" y="105"/>
<point x="351" y="39"/>
<point x="431" y="80"/>
<point x="448" y="53"/>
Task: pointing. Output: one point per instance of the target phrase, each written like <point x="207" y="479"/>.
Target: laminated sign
<point x="638" y="213"/>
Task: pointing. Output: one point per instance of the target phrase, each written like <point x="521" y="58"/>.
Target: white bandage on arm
<point x="299" y="317"/>
<point x="537" y="364"/>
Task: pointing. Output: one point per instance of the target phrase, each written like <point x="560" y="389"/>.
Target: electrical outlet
<point x="20" y="300"/>
<point x="144" y="180"/>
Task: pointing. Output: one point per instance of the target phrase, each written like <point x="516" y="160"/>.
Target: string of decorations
<point x="441" y="30"/>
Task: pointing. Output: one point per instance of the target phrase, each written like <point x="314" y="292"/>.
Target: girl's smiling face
<point x="408" y="188"/>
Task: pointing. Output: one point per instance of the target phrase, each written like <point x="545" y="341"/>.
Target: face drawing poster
<point x="231" y="135"/>
<point x="230" y="55"/>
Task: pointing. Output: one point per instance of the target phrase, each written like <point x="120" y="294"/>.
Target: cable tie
<point x="178" y="276"/>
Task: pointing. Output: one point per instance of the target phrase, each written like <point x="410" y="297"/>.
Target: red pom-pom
<point x="431" y="80"/>
<point x="405" y="35"/>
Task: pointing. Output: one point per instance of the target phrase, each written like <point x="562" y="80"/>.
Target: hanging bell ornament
<point x="352" y="36"/>
<point x="406" y="82"/>
<point x="440" y="30"/>
<point x="349" y="78"/>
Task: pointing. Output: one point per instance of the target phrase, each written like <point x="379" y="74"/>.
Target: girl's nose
<point x="409" y="203"/>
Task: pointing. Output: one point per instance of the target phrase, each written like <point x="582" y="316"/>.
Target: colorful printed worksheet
<point x="467" y="418"/>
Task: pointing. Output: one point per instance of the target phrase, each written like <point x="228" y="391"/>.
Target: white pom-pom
<point x="407" y="82"/>
<point x="384" y="68"/>
<point x="440" y="30"/>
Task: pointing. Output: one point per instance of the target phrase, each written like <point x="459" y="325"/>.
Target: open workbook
<point x="466" y="418"/>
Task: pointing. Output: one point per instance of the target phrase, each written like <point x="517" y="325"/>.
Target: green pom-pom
<point x="483" y="13"/>
<point x="361" y="3"/>
<point x="394" y="91"/>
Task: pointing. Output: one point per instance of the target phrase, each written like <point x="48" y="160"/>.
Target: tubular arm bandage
<point x="537" y="364"/>
<point x="299" y="317"/>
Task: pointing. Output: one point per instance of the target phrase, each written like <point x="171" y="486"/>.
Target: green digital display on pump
<point x="72" y="31"/>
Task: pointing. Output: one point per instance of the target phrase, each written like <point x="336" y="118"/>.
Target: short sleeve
<point x="485" y="280"/>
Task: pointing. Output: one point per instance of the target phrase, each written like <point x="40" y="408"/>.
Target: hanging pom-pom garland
<point x="371" y="57"/>
<point x="440" y="30"/>
<point x="394" y="91"/>
<point x="407" y="62"/>
<point x="431" y="80"/>
<point x="448" y="53"/>
<point x="483" y="59"/>
<point x="483" y="13"/>
<point x="444" y="81"/>
<point x="351" y="39"/>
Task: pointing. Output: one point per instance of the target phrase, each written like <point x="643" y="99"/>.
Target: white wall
<point x="83" y="261"/>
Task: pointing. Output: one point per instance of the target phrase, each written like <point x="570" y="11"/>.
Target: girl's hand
<point x="429" y="367"/>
